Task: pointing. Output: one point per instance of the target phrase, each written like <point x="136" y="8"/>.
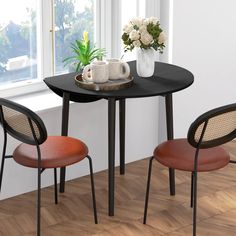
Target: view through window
<point x="72" y="18"/>
<point x="18" y="41"/>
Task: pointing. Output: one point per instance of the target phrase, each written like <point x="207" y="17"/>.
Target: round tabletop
<point x="167" y="79"/>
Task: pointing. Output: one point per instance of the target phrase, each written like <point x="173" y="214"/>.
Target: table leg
<point x="64" y="132"/>
<point x="111" y="154"/>
<point x="170" y="135"/>
<point x="122" y="135"/>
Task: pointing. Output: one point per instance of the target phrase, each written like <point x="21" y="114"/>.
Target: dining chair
<point x="200" y="151"/>
<point x="38" y="150"/>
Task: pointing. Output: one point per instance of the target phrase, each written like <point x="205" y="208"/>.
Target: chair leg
<point x="3" y="160"/>
<point x="39" y="203"/>
<point x="147" y="190"/>
<point x="55" y="186"/>
<point x="1" y="171"/>
<point x="192" y="187"/>
<point x="93" y="190"/>
<point x="195" y="204"/>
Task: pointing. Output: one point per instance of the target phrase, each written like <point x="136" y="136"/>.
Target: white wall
<point x="204" y="41"/>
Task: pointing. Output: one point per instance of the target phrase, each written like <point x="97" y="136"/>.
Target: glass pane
<point x="131" y="13"/>
<point x="136" y="8"/>
<point x="72" y="18"/>
<point x="18" y="41"/>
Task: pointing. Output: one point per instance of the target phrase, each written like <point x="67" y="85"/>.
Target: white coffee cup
<point x="99" y="72"/>
<point x="118" y="69"/>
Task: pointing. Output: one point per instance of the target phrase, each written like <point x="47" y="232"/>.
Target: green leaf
<point x="78" y="67"/>
<point x="125" y="37"/>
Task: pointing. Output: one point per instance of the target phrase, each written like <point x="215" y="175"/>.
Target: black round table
<point x="166" y="80"/>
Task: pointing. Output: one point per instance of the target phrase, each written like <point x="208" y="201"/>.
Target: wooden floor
<point x="168" y="215"/>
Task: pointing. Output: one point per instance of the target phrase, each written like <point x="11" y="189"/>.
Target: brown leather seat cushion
<point x="56" y="151"/>
<point x="179" y="154"/>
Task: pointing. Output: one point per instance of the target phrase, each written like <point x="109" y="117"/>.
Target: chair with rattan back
<point x="37" y="149"/>
<point x="201" y="151"/>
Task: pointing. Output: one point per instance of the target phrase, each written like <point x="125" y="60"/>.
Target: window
<point x="35" y="38"/>
<point x="18" y="41"/>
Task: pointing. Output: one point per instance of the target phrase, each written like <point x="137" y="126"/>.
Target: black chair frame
<point x="36" y="141"/>
<point x="200" y="144"/>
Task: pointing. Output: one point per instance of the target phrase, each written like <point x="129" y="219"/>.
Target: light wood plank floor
<point x="168" y="215"/>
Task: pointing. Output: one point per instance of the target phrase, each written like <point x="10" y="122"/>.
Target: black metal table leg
<point x="111" y="154"/>
<point x="170" y="135"/>
<point x="64" y="132"/>
<point x="122" y="136"/>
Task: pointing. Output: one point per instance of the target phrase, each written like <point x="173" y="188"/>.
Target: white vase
<point x="145" y="63"/>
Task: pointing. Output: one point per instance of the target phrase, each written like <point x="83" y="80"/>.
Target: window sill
<point x="39" y="101"/>
<point x="24" y="87"/>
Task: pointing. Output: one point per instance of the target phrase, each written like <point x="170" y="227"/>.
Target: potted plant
<point x="84" y="53"/>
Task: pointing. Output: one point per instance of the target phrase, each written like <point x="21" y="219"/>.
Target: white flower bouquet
<point x="143" y="33"/>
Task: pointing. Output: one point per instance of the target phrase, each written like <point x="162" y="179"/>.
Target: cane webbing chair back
<point x="214" y="127"/>
<point x="22" y="123"/>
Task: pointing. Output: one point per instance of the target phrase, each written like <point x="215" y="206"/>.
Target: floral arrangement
<point x="84" y="53"/>
<point x="143" y="33"/>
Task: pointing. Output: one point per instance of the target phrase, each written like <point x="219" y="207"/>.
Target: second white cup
<point x="118" y="69"/>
